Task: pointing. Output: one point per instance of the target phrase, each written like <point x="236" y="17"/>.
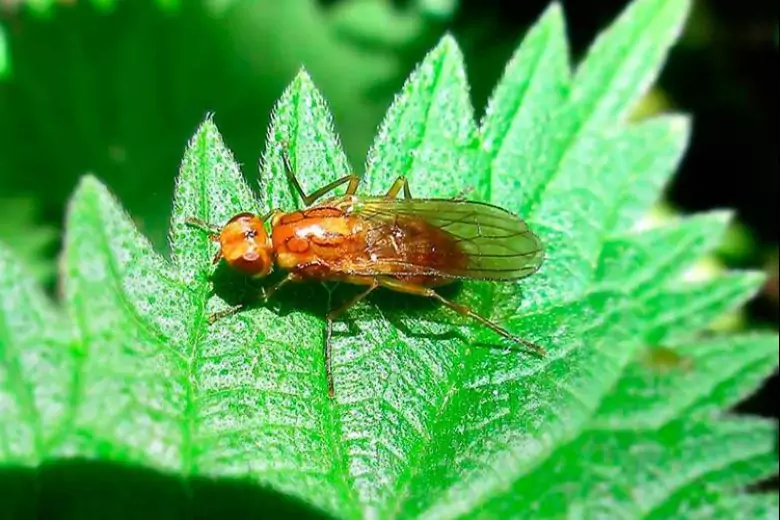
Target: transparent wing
<point x="468" y="239"/>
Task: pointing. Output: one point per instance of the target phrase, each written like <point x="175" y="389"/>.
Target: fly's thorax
<point x="246" y="246"/>
<point x="317" y="235"/>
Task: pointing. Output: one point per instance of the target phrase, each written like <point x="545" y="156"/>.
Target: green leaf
<point x="37" y="367"/>
<point x="725" y="505"/>
<point x="568" y="120"/>
<point x="535" y="82"/>
<point x="624" y="61"/>
<point x="670" y="250"/>
<point x="681" y="311"/>
<point x="128" y="308"/>
<point x="642" y="473"/>
<point x="434" y="416"/>
<point x="708" y="378"/>
<point x="302" y="126"/>
<point x="190" y="387"/>
<point x="428" y="134"/>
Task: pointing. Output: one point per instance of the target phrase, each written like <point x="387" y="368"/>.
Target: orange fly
<point x="404" y="244"/>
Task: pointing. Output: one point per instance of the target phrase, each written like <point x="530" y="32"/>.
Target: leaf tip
<point x="207" y="131"/>
<point x="447" y="46"/>
<point x="88" y="184"/>
<point x="722" y="216"/>
<point x="90" y="191"/>
<point x="552" y="15"/>
<point x="680" y="125"/>
<point x="302" y="79"/>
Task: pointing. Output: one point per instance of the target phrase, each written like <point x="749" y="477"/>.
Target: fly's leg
<point x="395" y="189"/>
<point x="291" y="277"/>
<point x="352" y="179"/>
<point x="332" y="315"/>
<point x="265" y="295"/>
<point x="410" y="288"/>
<point x="211" y="230"/>
<point x="401" y="183"/>
<point x="270" y="214"/>
<point x="224" y="314"/>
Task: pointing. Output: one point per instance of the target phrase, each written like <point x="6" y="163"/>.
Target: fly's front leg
<point x="210" y="229"/>
<point x="212" y="232"/>
<point x="265" y="294"/>
<point x="410" y="288"/>
<point x="352" y="179"/>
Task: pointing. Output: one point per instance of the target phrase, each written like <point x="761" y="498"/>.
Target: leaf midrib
<point x="190" y="424"/>
<point x="186" y="449"/>
<point x="333" y="431"/>
<point x="423" y="443"/>
<point x="19" y="387"/>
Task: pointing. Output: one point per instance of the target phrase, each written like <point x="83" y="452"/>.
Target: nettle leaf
<point x="37" y="367"/>
<point x="430" y="419"/>
<point x="703" y="378"/>
<point x="259" y="409"/>
<point x="655" y="473"/>
<point x="302" y="127"/>
<point x="429" y="134"/>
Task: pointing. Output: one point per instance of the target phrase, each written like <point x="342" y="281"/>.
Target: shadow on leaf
<point x="318" y="299"/>
<point x="90" y="489"/>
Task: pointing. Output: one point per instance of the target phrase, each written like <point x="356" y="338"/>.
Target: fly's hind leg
<point x="410" y="288"/>
<point x="335" y="313"/>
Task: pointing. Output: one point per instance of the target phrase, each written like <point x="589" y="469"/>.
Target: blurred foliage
<point x="4" y="65"/>
<point x="31" y="240"/>
<point x="113" y="88"/>
<point x="117" y="91"/>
